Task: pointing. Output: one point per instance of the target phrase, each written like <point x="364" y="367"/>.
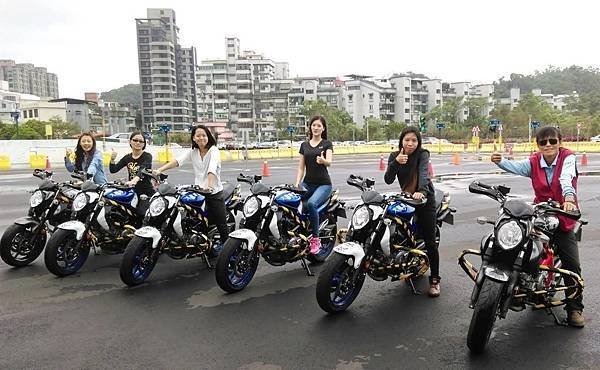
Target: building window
<point x="310" y="91"/>
<point x="370" y="96"/>
<point x="406" y="121"/>
<point x="407" y="100"/>
<point x="350" y="98"/>
<point x="371" y="107"/>
<point x="437" y="91"/>
<point x="466" y="93"/>
<point x="407" y="88"/>
<point x="35" y="113"/>
<point x="407" y="111"/>
<point x="24" y="114"/>
<point x="438" y="102"/>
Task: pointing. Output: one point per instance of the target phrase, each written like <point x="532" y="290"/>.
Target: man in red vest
<point x="553" y="176"/>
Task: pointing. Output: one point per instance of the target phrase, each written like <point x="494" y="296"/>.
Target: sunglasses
<point x="137" y="141"/>
<point x="546" y="141"/>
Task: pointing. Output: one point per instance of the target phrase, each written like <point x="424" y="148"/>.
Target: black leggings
<point x="217" y="214"/>
<point x="426" y="218"/>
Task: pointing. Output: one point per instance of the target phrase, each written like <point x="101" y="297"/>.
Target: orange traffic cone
<point x="455" y="159"/>
<point x="430" y="171"/>
<point x="48" y="166"/>
<point x="381" y="163"/>
<point x="265" y="171"/>
<point x="584" y="160"/>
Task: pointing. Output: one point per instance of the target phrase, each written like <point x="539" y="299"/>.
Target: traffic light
<point x="422" y="124"/>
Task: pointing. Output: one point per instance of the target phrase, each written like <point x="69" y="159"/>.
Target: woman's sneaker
<point x="434" y="287"/>
<point x="315" y="245"/>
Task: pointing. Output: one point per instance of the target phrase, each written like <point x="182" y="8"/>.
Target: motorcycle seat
<point x="439" y="196"/>
<point x="227" y="191"/>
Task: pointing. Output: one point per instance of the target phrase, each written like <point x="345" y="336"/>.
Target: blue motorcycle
<point x="275" y="227"/>
<point x="103" y="219"/>
<point x="176" y="224"/>
<point x="382" y="241"/>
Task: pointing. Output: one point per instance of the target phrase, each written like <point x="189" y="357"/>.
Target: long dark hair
<point x="133" y="134"/>
<point x="323" y="122"/>
<point x="413" y="158"/>
<point x="80" y="153"/>
<point x="211" y="138"/>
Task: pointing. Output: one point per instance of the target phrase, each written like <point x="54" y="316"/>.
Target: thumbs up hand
<point x="68" y="153"/>
<point x="321" y="159"/>
<point x="401" y="157"/>
<point x="113" y="155"/>
<point x="496" y="157"/>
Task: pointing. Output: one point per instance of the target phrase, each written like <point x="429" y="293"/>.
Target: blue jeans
<point x="317" y="195"/>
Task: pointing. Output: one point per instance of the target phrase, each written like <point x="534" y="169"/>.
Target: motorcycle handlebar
<point x="158" y="178"/>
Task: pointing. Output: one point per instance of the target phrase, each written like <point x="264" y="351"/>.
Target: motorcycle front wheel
<point x="338" y="284"/>
<point x="19" y="246"/>
<point x="64" y="255"/>
<point x="138" y="261"/>
<point x="236" y="266"/>
<point x="484" y="315"/>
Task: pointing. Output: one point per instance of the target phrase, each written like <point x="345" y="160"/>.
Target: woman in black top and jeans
<point x="409" y="166"/>
<point x="135" y="161"/>
<point x="316" y="156"/>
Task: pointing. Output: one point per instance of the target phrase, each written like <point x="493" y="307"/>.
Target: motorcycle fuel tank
<point x="399" y="209"/>
<point x="288" y="199"/>
<point x="121" y="196"/>
<point x="193" y="199"/>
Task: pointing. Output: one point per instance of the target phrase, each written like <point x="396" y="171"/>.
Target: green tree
<point x="339" y="123"/>
<point x="393" y="129"/>
<point x="376" y="129"/>
<point x="62" y="129"/>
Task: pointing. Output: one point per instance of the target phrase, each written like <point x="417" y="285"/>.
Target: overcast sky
<point x="91" y="46"/>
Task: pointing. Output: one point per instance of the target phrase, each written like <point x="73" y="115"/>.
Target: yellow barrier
<point x="37" y="160"/>
<point x="235" y="155"/>
<point x="106" y="158"/>
<point x="162" y="156"/>
<point x="4" y="162"/>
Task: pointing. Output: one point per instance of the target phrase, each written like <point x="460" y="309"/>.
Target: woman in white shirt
<point x="206" y="161"/>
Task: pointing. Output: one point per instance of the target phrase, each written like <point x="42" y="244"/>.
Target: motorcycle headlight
<point x="509" y="235"/>
<point x="36" y="198"/>
<point x="361" y="217"/>
<point x="79" y="202"/>
<point x="251" y="205"/>
<point x="157" y="206"/>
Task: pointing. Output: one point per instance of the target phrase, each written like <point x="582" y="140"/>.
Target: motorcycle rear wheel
<point x="484" y="315"/>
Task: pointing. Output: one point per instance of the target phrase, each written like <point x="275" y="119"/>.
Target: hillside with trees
<point x="128" y="94"/>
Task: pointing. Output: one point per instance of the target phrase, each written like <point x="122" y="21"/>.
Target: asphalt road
<point x="181" y="319"/>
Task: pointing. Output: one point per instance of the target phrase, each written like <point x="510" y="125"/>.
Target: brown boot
<point x="434" y="287"/>
<point x="575" y="318"/>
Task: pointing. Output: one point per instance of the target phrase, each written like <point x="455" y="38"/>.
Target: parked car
<point x="595" y="139"/>
<point x="119" y="137"/>
<point x="430" y="140"/>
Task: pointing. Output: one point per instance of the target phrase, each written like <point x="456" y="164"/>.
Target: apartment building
<point x="167" y="72"/>
<point x="245" y="89"/>
<point x="26" y="78"/>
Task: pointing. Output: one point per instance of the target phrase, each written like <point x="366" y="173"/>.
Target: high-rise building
<point x="167" y="72"/>
<point x="245" y="89"/>
<point x="26" y="78"/>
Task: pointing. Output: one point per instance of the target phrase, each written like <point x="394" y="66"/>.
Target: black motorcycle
<point x="176" y="224"/>
<point x="383" y="241"/>
<point x="50" y="205"/>
<point x="276" y="227"/>
<point x="519" y="267"/>
<point x="103" y="219"/>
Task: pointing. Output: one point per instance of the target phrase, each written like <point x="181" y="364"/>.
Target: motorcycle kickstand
<point x="549" y="311"/>
<point x="412" y="287"/>
<point x="208" y="265"/>
<point x="305" y="265"/>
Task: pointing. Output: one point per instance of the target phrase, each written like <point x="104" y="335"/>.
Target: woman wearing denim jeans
<point x="317" y="155"/>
